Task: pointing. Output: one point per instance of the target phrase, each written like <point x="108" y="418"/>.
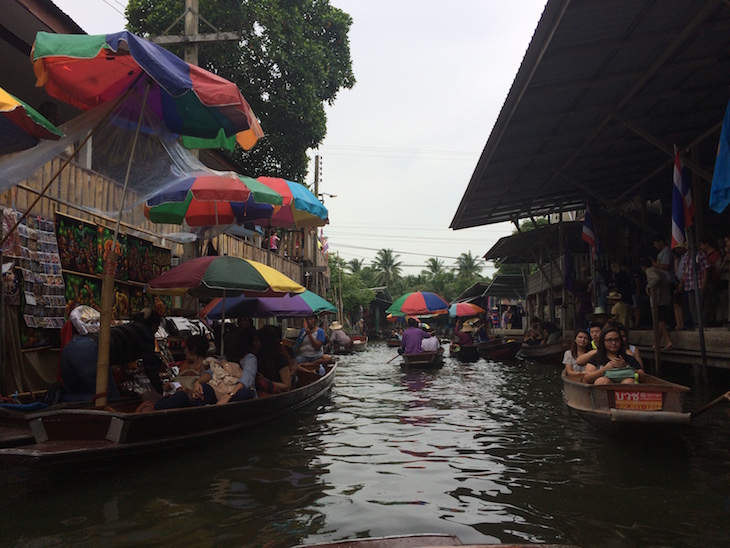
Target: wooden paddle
<point x="391" y="359"/>
<point x="713" y="403"/>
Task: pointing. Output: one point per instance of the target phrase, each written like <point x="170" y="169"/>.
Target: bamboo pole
<point x="655" y="327"/>
<point x="107" y="284"/>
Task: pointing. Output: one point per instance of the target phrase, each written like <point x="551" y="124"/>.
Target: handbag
<point x="617" y="375"/>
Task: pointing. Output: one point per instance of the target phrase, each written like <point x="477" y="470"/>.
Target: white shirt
<point x="430" y="344"/>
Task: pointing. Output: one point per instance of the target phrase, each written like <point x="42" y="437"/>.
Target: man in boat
<point x="412" y="337"/>
<point x="129" y="342"/>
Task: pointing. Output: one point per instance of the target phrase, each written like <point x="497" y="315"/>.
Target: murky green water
<point x="486" y="451"/>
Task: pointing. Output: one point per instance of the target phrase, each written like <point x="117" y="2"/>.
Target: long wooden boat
<point x="86" y="435"/>
<point x="550" y="353"/>
<point x="359" y="342"/>
<point x="425" y="360"/>
<point x="655" y="401"/>
<point x="499" y="348"/>
<point x="464" y="352"/>
<point x="432" y="540"/>
<point x="393" y="343"/>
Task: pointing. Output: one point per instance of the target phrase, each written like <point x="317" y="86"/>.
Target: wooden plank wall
<point x="77" y="185"/>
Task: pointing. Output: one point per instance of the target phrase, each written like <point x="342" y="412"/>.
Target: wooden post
<point x="655" y="326"/>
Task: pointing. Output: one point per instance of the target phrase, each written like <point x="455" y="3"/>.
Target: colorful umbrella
<point x="300" y="207"/>
<point x="85" y="71"/>
<point x="222" y="276"/>
<point x="218" y="200"/>
<point x="21" y="126"/>
<point x="465" y="309"/>
<point x="419" y="303"/>
<point x="300" y="305"/>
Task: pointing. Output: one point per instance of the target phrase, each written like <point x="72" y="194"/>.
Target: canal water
<point x="486" y="451"/>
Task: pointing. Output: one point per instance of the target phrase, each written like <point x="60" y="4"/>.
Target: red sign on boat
<point x="639" y="401"/>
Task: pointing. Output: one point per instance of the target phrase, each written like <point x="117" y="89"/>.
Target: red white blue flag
<point x="683" y="208"/>
<point x="589" y="233"/>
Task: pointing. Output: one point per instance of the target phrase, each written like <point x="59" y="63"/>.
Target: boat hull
<point x="653" y="402"/>
<point x="90" y="435"/>
<point x="499" y="349"/>
<point x="548" y="353"/>
<point x="424" y="360"/>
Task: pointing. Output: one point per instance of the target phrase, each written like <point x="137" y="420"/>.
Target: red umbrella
<point x="465" y="309"/>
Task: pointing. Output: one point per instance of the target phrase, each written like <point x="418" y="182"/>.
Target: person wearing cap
<point x="128" y="342"/>
<point x="430" y="343"/>
<point x="338" y="337"/>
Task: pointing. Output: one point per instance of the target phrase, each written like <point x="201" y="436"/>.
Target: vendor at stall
<point x="129" y="342"/>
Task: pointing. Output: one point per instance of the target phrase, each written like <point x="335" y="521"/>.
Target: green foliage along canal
<point x="486" y="451"/>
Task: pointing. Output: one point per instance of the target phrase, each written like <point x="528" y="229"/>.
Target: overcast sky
<point x="401" y="145"/>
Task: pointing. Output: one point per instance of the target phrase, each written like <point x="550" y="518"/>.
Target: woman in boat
<point x="610" y="356"/>
<point x="274" y="375"/>
<point x="581" y="345"/>
<point x="196" y="350"/>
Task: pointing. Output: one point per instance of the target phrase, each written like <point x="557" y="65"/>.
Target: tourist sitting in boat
<point x="581" y="345"/>
<point x="128" y="343"/>
<point x="412" y="337"/>
<point x="310" y="341"/>
<point x="430" y="343"/>
<point x="612" y="362"/>
<point x="274" y="375"/>
<point x="594" y="330"/>
<point x="338" y="336"/>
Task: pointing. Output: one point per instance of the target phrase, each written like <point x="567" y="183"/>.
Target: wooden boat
<point x="393" y="343"/>
<point x="424" y="360"/>
<point x="86" y="435"/>
<point x="432" y="540"/>
<point x="359" y="342"/>
<point x="464" y="352"/>
<point x="652" y="402"/>
<point x="550" y="353"/>
<point x="499" y="348"/>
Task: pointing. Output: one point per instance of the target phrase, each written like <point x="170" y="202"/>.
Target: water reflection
<point x="486" y="451"/>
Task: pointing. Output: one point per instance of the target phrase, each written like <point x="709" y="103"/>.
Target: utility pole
<point x="192" y="38"/>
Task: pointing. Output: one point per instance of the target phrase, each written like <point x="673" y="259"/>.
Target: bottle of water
<point x="636" y="378"/>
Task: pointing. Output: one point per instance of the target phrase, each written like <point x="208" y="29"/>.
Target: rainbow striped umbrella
<point x="21" y="126"/>
<point x="223" y="276"/>
<point x="419" y="303"/>
<point x="86" y="71"/>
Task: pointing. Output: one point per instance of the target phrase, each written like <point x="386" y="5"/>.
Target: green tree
<point x="292" y="58"/>
<point x="355" y="265"/>
<point x="434" y="266"/>
<point x="354" y="292"/>
<point x="387" y="266"/>
<point x="468" y="266"/>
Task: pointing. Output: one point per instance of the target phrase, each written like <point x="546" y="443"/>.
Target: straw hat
<point x="467" y="328"/>
<point x="598" y="311"/>
<point x="614" y="296"/>
<point x="335" y="325"/>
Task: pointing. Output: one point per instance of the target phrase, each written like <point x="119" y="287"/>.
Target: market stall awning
<point x="529" y="246"/>
<point x="604" y="91"/>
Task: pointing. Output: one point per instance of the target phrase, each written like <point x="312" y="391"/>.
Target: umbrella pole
<point x="223" y="322"/>
<point x="107" y="285"/>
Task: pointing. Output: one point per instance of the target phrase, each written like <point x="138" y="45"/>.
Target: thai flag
<point x="589" y="233"/>
<point x="683" y="209"/>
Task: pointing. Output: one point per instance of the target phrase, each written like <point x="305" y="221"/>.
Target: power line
<point x="113" y="7"/>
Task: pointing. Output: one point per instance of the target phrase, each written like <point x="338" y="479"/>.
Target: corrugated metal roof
<point x="604" y="91"/>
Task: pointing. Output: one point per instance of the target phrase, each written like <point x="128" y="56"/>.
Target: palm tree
<point x="433" y="266"/>
<point x="387" y="266"/>
<point x="355" y="265"/>
<point x="468" y="266"/>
